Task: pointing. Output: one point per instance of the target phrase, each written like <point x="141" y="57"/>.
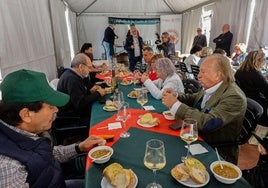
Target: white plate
<point x="131" y="96"/>
<point x="109" y="110"/>
<point x="144" y="124"/>
<point x="191" y="183"/>
<point x="167" y="116"/>
<point x="106" y="184"/>
<point x="144" y="89"/>
<point x="129" y="83"/>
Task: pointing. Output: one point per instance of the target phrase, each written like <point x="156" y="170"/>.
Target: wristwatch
<point x="77" y="148"/>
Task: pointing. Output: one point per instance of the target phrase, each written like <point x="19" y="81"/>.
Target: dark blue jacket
<point x="224" y="41"/>
<point x="129" y="43"/>
<point x="109" y="35"/>
<point x="43" y="170"/>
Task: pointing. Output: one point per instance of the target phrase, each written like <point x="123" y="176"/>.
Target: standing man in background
<point x="224" y="40"/>
<point x="133" y="46"/>
<point x="108" y="40"/>
<point x="167" y="45"/>
<point x="200" y="39"/>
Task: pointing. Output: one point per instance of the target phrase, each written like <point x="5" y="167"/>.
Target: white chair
<point x="54" y="83"/>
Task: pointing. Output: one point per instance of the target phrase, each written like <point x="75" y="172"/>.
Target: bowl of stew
<point x="229" y="174"/>
<point x="100" y="154"/>
<point x="168" y="115"/>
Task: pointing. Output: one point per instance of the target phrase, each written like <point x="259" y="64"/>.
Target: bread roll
<point x="146" y="118"/>
<point x="198" y="175"/>
<point x="197" y="170"/>
<point x="133" y="180"/>
<point x="194" y="163"/>
<point x="179" y="173"/>
<point x="119" y="177"/>
<point x="111" y="171"/>
<point x="122" y="179"/>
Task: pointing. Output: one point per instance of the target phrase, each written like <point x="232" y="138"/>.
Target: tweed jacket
<point x="222" y="117"/>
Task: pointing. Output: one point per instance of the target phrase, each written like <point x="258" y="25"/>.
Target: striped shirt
<point x="14" y="174"/>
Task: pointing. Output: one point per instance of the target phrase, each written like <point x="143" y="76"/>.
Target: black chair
<point x="66" y="130"/>
<point x="191" y="86"/>
<point x="253" y="112"/>
<point x="183" y="68"/>
<point x="195" y="70"/>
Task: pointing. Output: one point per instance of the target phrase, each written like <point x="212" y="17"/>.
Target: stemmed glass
<point x="154" y="158"/>
<point x="118" y="99"/>
<point x="189" y="133"/>
<point x="123" y="115"/>
<point x="142" y="98"/>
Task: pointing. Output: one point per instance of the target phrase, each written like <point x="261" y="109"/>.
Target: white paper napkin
<point x="197" y="149"/>
<point x="115" y="125"/>
<point x="148" y="108"/>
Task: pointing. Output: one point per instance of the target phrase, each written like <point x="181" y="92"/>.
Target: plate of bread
<point x="126" y="82"/>
<point x="115" y="175"/>
<point x="191" y="173"/>
<point x="133" y="94"/>
<point x="110" y="106"/>
<point x="147" y="120"/>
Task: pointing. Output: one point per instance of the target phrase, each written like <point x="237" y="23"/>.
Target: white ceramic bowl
<point x="223" y="179"/>
<point x="101" y="159"/>
<point x="168" y="115"/>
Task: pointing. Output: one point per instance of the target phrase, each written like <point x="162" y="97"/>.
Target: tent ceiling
<point x="133" y="7"/>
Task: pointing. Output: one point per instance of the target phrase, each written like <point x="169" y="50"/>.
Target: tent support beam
<point x="198" y="6"/>
<point x="169" y="7"/>
<point x="87" y="7"/>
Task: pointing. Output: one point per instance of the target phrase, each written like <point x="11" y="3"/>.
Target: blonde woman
<point x="251" y="80"/>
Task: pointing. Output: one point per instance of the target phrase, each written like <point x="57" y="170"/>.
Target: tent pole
<point x="169" y="7"/>
<point x="87" y="7"/>
<point x="53" y="36"/>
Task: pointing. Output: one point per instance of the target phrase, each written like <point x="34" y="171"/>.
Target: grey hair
<point x="79" y="59"/>
<point x="166" y="66"/>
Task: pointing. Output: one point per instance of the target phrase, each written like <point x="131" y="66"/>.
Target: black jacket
<point x="129" y="43"/>
<point x="224" y="41"/>
<point x="80" y="97"/>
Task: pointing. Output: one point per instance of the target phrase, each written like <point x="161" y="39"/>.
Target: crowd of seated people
<point x="217" y="122"/>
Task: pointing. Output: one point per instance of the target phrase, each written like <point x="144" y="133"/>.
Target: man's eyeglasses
<point x="89" y="67"/>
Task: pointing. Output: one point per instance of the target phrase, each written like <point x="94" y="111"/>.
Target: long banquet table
<point x="130" y="151"/>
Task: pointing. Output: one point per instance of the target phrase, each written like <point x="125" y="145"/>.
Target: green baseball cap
<point x="25" y="86"/>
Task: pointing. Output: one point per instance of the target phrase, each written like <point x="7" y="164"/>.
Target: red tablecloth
<point x="108" y="75"/>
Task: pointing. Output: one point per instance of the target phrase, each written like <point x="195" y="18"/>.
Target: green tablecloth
<point x="98" y="114"/>
<point x="130" y="152"/>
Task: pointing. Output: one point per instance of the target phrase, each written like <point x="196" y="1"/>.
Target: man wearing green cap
<point x="27" y="110"/>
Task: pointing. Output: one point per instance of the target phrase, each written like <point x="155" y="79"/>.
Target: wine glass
<point x="154" y="158"/>
<point x="118" y="99"/>
<point x="142" y="98"/>
<point x="189" y="133"/>
<point x="123" y="115"/>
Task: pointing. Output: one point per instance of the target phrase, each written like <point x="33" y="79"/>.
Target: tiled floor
<point x="248" y="156"/>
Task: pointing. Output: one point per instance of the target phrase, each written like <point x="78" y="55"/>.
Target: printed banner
<point x="136" y="21"/>
<point x="172" y="25"/>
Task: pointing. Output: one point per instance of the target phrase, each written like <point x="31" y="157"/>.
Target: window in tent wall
<point x="206" y="24"/>
<point x="69" y="31"/>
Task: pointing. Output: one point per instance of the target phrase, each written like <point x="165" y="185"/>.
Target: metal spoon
<point x="218" y="157"/>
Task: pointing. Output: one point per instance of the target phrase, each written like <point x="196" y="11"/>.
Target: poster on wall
<point x="172" y="25"/>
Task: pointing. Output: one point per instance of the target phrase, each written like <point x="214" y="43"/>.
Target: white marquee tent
<point x="43" y="34"/>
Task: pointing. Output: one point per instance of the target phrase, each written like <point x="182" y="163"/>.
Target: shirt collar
<point x="20" y="131"/>
<point x="213" y="89"/>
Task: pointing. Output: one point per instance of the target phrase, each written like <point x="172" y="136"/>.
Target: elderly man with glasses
<point x="82" y="95"/>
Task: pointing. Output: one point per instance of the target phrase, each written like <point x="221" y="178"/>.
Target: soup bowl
<point x="228" y="175"/>
<point x="101" y="154"/>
